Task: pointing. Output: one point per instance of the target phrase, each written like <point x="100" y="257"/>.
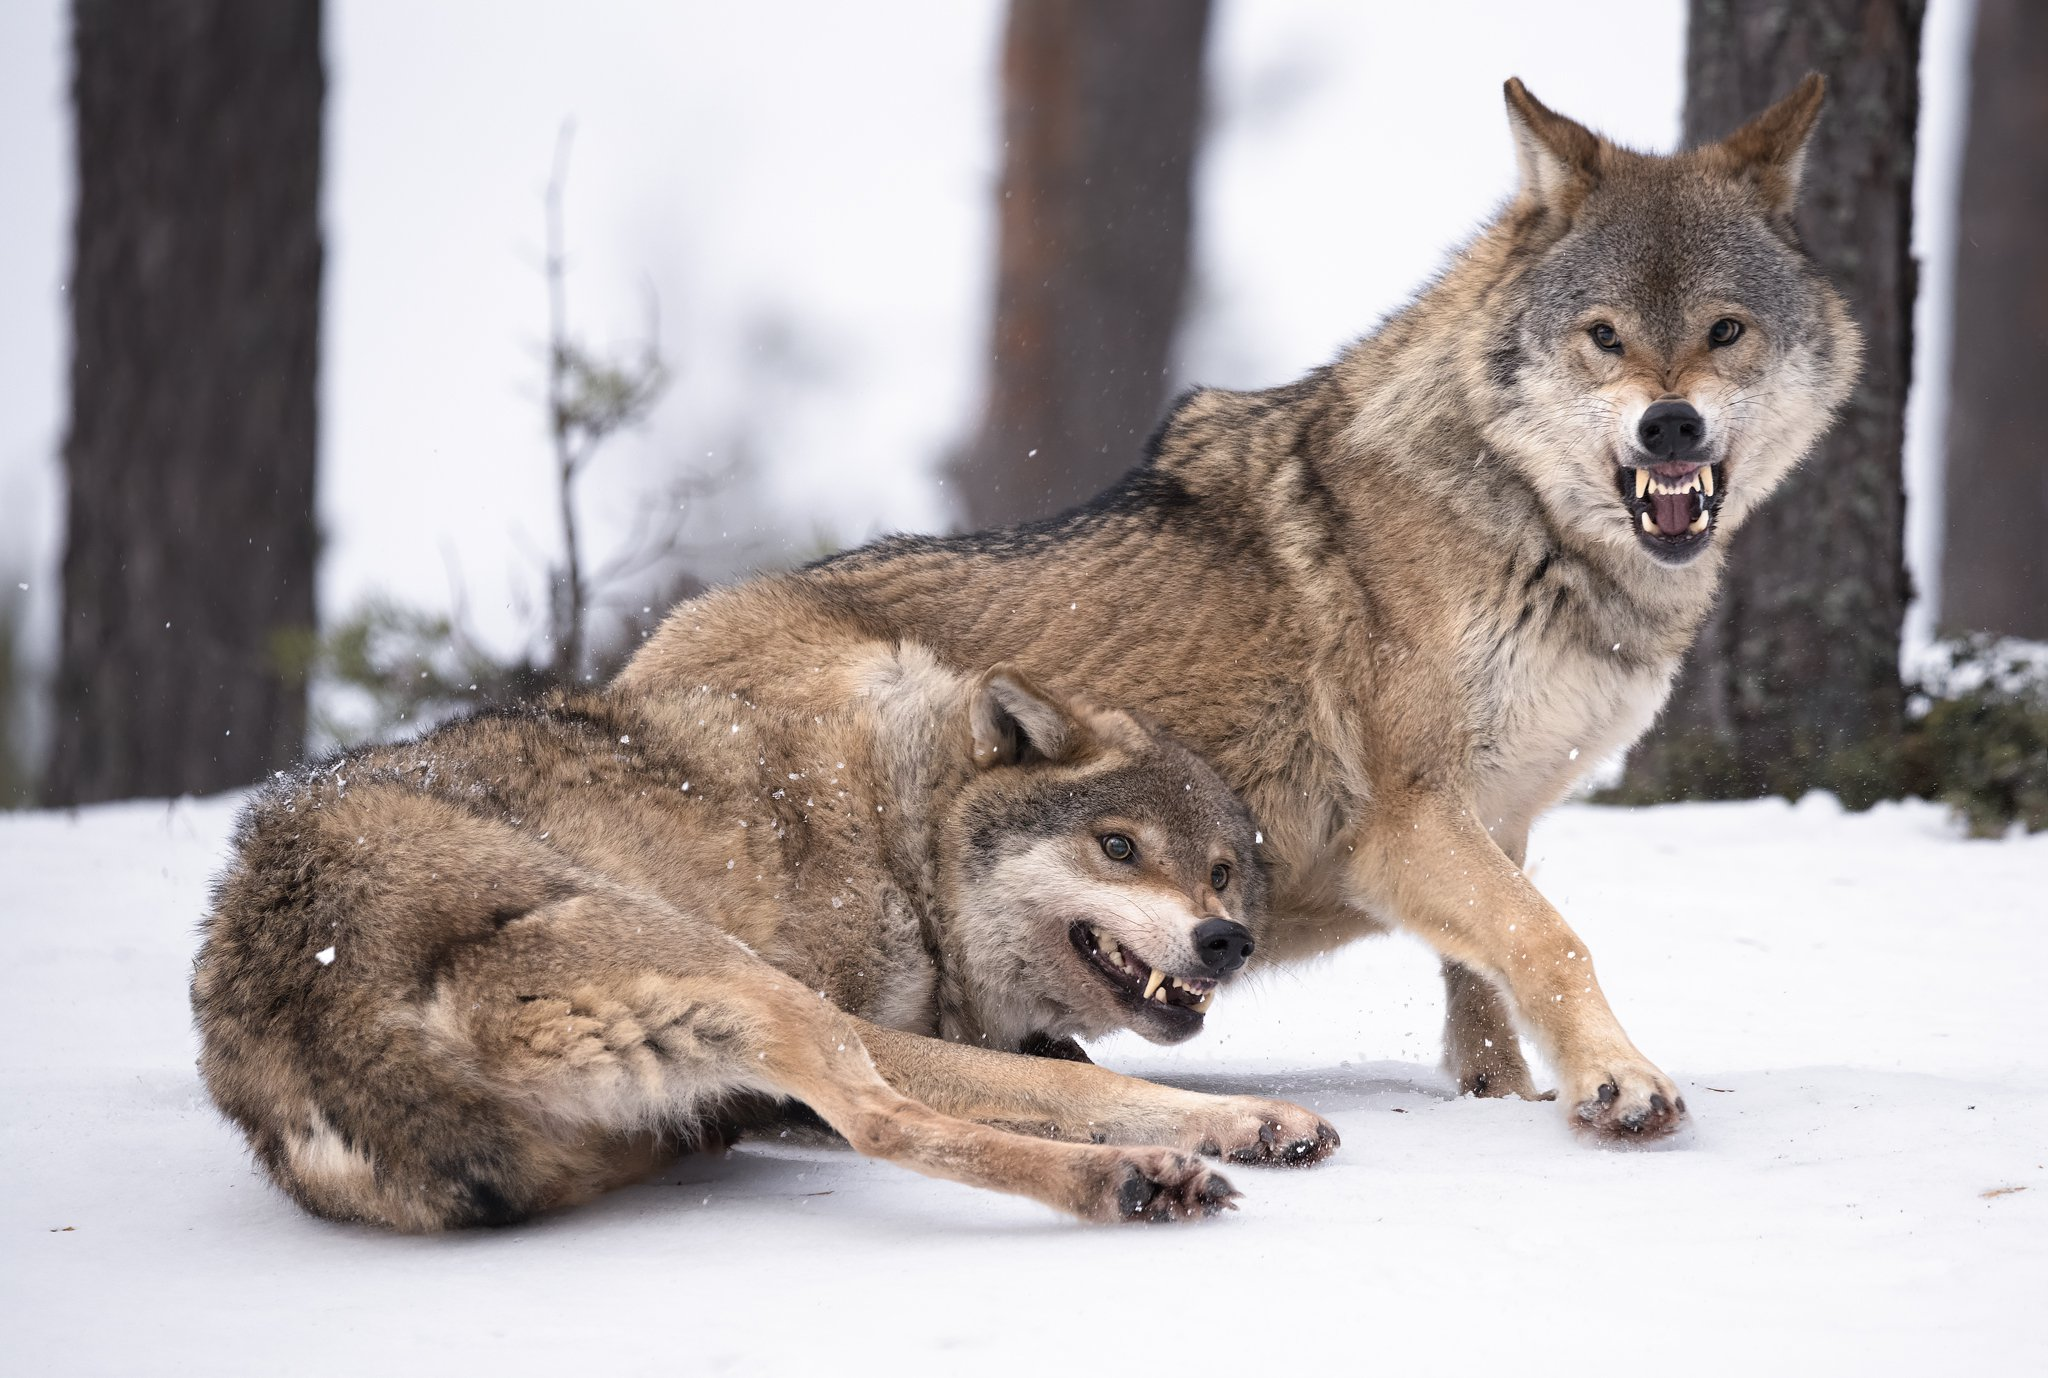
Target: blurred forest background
<point x="360" y="362"/>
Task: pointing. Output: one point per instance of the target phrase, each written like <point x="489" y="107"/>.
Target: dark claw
<point x="1290" y="1153"/>
<point x="1216" y="1196"/>
<point x="1136" y="1193"/>
<point x="1658" y="1115"/>
<point x="1304" y="1151"/>
<point x="1185" y="1193"/>
<point x="1313" y="1149"/>
<point x="1269" y="1135"/>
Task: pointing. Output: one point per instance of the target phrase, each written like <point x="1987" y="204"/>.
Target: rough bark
<point x="1994" y="572"/>
<point x="188" y="565"/>
<point x="1793" y="683"/>
<point x="1101" y="108"/>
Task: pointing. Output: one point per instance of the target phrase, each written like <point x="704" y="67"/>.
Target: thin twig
<point x="567" y="605"/>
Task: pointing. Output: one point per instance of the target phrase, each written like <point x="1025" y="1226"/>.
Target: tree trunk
<point x="195" y="296"/>
<point x="1793" y="683"/>
<point x="1101" y="107"/>
<point x="1994" y="569"/>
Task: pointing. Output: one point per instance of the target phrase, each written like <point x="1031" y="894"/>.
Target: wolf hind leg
<point x="1481" y="1048"/>
<point x="607" y="1016"/>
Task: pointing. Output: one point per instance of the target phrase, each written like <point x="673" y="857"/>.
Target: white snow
<point x="1850" y="1002"/>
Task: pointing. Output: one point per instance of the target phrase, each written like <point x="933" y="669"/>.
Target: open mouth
<point x="1179" y="1001"/>
<point x="1672" y="507"/>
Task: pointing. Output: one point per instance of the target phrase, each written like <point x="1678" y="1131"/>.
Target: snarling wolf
<point x="1405" y="603"/>
<point x="533" y="954"/>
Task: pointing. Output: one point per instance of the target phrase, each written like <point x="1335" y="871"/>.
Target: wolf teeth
<point x="1648" y="524"/>
<point x="1201" y="1006"/>
<point x="1649" y="482"/>
<point x="1707" y="480"/>
<point x="1154" y="982"/>
<point x="1699" y="523"/>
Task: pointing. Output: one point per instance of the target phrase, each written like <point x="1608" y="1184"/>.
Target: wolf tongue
<point x="1673" y="512"/>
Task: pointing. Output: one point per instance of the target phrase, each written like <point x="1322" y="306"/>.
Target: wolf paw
<point x="1498" y="1082"/>
<point x="1157" y="1186"/>
<point x="1487" y="1066"/>
<point x="1626" y="1103"/>
<point x="1264" y="1133"/>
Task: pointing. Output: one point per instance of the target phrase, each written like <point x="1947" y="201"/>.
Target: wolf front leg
<point x="1080" y="1101"/>
<point x="1481" y="1047"/>
<point x="1425" y="861"/>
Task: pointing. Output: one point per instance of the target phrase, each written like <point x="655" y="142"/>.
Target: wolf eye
<point x="1219" y="877"/>
<point x="1117" y="847"/>
<point x="1726" y="331"/>
<point x="1604" y="336"/>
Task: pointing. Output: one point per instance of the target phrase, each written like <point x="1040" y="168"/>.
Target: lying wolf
<point x="528" y="956"/>
<point x="1404" y="603"/>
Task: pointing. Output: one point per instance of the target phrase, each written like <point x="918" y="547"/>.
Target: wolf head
<point x="1095" y="874"/>
<point x="1660" y="350"/>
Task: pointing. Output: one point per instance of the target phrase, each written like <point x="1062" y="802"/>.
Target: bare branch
<point x="566" y="601"/>
<point x="590" y="398"/>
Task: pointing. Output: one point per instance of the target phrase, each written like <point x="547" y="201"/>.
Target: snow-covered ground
<point x="1852" y="1004"/>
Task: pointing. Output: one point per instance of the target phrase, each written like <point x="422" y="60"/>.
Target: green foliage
<point x="1983" y="737"/>
<point x="387" y="669"/>
<point x="1867" y="772"/>
<point x="1975" y="737"/>
<point x="1695" y="763"/>
<point x="596" y="397"/>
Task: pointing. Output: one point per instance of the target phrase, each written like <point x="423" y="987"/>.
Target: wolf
<point x="1404" y="603"/>
<point x="531" y="955"/>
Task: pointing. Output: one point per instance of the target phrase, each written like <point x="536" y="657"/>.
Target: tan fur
<point x="531" y="956"/>
<point x="1402" y="605"/>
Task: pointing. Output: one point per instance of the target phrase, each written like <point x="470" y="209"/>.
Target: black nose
<point x="1672" y="430"/>
<point x="1222" y="945"/>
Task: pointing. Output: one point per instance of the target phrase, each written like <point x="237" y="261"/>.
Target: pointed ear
<point x="1558" y="157"/>
<point x="1770" y="151"/>
<point x="1016" y="723"/>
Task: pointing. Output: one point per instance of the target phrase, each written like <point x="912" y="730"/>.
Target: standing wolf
<point x="1403" y="603"/>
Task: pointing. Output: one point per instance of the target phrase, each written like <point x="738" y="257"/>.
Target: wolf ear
<point x="1558" y="157"/>
<point x="1770" y="151"/>
<point x="1016" y="723"/>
